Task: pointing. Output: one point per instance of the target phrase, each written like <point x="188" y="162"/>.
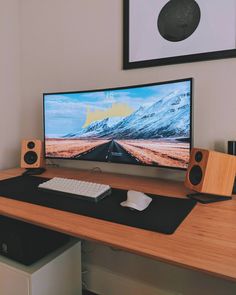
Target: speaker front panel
<point x="31" y="153"/>
<point x="195" y="175"/>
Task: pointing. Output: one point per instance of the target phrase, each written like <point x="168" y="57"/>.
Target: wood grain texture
<point x="218" y="172"/>
<point x="205" y="241"/>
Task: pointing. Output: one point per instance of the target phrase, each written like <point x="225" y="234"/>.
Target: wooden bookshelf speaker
<point x="31" y="153"/>
<point x="211" y="172"/>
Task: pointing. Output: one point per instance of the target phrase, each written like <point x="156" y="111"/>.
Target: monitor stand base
<point x="33" y="171"/>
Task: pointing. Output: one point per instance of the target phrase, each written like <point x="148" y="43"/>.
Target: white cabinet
<point x="13" y="282"/>
<point x="59" y="273"/>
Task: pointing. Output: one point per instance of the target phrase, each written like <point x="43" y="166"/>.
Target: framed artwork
<point x="162" y="32"/>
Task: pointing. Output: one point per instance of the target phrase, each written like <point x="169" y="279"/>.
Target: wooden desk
<point x="205" y="241"/>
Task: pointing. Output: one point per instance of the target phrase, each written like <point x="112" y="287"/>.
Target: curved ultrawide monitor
<point x="142" y="125"/>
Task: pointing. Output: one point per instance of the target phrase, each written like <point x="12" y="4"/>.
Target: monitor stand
<point x="33" y="171"/>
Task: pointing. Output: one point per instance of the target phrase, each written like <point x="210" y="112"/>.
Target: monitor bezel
<point x="120" y="88"/>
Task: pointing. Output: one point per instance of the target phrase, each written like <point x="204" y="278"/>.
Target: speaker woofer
<point x="30" y="157"/>
<point x="195" y="175"/>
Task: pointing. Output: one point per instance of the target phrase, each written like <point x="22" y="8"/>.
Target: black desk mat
<point x="164" y="214"/>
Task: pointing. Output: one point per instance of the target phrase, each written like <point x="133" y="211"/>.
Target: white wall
<point x="10" y="104"/>
<point x="76" y="45"/>
<point x="70" y="45"/>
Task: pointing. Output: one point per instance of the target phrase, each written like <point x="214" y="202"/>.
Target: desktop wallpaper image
<point x="147" y="125"/>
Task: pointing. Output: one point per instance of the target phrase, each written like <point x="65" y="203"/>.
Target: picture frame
<point x="153" y="33"/>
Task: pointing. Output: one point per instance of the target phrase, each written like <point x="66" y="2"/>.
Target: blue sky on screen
<point x="66" y="113"/>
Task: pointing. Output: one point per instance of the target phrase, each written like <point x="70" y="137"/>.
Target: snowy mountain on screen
<point x="168" y="117"/>
<point x="95" y="128"/>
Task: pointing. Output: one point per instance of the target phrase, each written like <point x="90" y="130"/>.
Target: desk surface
<point x="205" y="241"/>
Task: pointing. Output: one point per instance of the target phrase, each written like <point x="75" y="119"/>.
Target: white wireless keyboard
<point x="77" y="188"/>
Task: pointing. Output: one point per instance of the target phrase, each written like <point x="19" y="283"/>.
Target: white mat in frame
<point x="215" y="32"/>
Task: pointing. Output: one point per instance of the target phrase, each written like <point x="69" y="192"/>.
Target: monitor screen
<point x="142" y="125"/>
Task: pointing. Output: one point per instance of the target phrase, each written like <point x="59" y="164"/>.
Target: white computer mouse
<point x="136" y="200"/>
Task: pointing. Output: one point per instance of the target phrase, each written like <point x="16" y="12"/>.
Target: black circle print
<point x="178" y="19"/>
